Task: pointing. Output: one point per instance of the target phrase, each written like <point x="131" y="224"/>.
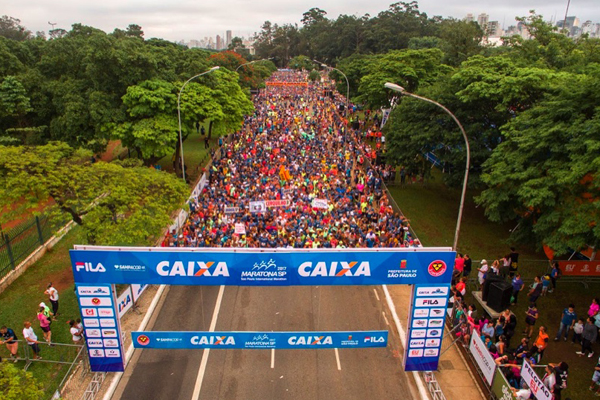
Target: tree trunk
<point x="210" y="126"/>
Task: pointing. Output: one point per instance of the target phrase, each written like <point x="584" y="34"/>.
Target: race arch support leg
<point x="426" y="327"/>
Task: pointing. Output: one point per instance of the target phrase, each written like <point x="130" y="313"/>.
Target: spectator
<point x="505" y="268"/>
<point x="76" y="332"/>
<point x="566" y="323"/>
<point x="561" y="373"/>
<point x="10" y="339"/>
<point x="521" y="350"/>
<point x="522" y="394"/>
<point x="549" y="378"/>
<point x="31" y="340"/>
<point x="595" y="386"/>
<point x="501" y="345"/>
<point x="578" y="330"/>
<point x="459" y="267"/>
<point x="488" y="330"/>
<point x="517" y="286"/>
<point x="541" y="342"/>
<point x="545" y="284"/>
<point x="514" y="261"/>
<point x="461" y="286"/>
<point x="510" y="325"/>
<point x="53" y="296"/>
<point x="594" y="307"/>
<point x="555" y="274"/>
<point x="45" y="325"/>
<point x="468" y="266"/>
<point x="482" y="272"/>
<point x="536" y="290"/>
<point x="588" y="336"/>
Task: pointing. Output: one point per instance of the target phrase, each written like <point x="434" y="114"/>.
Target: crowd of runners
<point x="296" y="175"/>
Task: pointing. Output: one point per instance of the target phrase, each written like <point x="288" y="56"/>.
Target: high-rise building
<point x="482" y="20"/>
<point x="469" y="18"/>
<point x="494" y="29"/>
<point x="219" y="43"/>
<point x="227" y="38"/>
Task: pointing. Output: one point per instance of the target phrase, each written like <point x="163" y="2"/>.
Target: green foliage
<point x="302" y="63"/>
<point x="408" y="68"/>
<point x="546" y="172"/>
<point x="116" y="204"/>
<point x="11" y="28"/>
<point x="17" y="384"/>
<point x="13" y="98"/>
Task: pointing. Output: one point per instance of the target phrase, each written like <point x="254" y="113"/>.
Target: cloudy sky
<point x="195" y="19"/>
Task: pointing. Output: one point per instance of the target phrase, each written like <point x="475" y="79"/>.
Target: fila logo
<point x="310" y="340"/>
<point x="197" y="268"/>
<point x="373" y="339"/>
<point x="334" y="269"/>
<point x="88" y="267"/>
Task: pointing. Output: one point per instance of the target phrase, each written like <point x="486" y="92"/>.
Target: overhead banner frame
<point x="428" y="269"/>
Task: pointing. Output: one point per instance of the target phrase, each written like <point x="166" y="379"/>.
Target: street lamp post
<point x="401" y="90"/>
<point x="179" y="115"/>
<point x="252" y="62"/>
<point x="347" y="84"/>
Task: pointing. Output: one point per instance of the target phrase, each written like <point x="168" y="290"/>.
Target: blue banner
<point x="258" y="340"/>
<point x="426" y="327"/>
<point x="102" y="328"/>
<point x="240" y="267"/>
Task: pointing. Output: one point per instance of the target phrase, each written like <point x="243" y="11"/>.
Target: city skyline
<point x="187" y="20"/>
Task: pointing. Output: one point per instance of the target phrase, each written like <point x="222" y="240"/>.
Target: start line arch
<point x="97" y="269"/>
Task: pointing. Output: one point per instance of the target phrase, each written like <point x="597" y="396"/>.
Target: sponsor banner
<point x="538" y="389"/>
<point x="93" y="291"/>
<point x="501" y="388"/>
<point x="273" y="268"/>
<point x="124" y="302"/>
<point x="240" y="229"/>
<point x="320" y="203"/>
<point x="580" y="268"/>
<point x="385" y="114"/>
<point x="426" y="326"/>
<point x="257" y="206"/>
<point x="137" y="290"/>
<point x="483" y="358"/>
<point x="95" y="301"/>
<point x="101" y="327"/>
<point x="258" y="340"/>
<point x="277" y="203"/>
<point x="286" y="83"/>
<point x="232" y="210"/>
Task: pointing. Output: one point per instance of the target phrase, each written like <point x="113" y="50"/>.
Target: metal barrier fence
<point x="19" y="242"/>
<point x="72" y="355"/>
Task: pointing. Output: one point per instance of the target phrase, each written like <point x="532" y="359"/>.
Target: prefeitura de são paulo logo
<point x="437" y="268"/>
<point x="143" y="340"/>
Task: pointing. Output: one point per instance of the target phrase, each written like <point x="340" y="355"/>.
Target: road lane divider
<point x="204" y="362"/>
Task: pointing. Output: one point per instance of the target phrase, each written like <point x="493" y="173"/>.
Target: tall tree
<point x="115" y="203"/>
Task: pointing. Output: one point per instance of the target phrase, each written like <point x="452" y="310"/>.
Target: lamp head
<point x="394" y="87"/>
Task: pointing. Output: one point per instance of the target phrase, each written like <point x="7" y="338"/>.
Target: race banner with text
<point x="259" y="340"/>
<point x="102" y="327"/>
<point x="195" y="266"/>
<point x="580" y="268"/>
<point x="426" y="327"/>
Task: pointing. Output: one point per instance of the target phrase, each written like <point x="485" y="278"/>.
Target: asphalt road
<point x="260" y="374"/>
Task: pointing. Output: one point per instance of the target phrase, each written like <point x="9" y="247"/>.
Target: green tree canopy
<point x="115" y="203"/>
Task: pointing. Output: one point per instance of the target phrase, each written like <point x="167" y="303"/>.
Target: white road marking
<point x="272" y="358"/>
<point x="384" y="317"/>
<point x="337" y="359"/>
<point x="204" y="362"/>
<point x="376" y="295"/>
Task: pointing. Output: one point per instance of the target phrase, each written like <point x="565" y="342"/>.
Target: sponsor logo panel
<point x="431" y="302"/>
<point x="95" y="301"/>
<point x="418" y="333"/>
<point x="91" y="322"/>
<point x="421" y="312"/>
<point x="415" y="352"/>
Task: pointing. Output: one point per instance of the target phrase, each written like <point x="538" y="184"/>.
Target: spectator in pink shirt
<point x="594" y="307"/>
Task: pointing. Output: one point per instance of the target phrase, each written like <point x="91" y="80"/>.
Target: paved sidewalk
<point x="454" y="377"/>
